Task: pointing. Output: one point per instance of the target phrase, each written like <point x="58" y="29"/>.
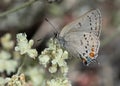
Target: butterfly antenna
<point x="56" y="32"/>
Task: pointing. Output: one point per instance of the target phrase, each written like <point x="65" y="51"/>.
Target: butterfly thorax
<point x="61" y="41"/>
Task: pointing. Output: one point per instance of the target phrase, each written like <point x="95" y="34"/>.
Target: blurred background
<point x="31" y="20"/>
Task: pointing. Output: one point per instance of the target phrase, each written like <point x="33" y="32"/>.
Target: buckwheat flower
<point x="4" y="55"/>
<point x="24" y="46"/>
<point x="10" y="66"/>
<point x="44" y="59"/>
<point x="6" y="63"/>
<point x="53" y="68"/>
<point x="36" y="75"/>
<point x="58" y="82"/>
<point x="54" y="57"/>
<point x="6" y="41"/>
<point x="64" y="69"/>
<point x="2" y="81"/>
<point x="16" y="55"/>
<point x="16" y="80"/>
<point x="60" y="60"/>
<point x="60" y="57"/>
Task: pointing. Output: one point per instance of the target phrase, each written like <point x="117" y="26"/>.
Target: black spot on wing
<point x="94" y="22"/>
<point x="86" y="51"/>
<point x="90" y="35"/>
<point x="87" y="43"/>
<point x="84" y="35"/>
<point x="80" y="24"/>
<point x="85" y="47"/>
<point x="90" y="21"/>
<point x="96" y="28"/>
<point x="90" y="24"/>
<point x="91" y="28"/>
<point x="95" y="18"/>
<point x="80" y="56"/>
<point x="98" y="22"/>
<point x="92" y="12"/>
<point x="91" y="38"/>
<point x="81" y="42"/>
<point x="88" y="16"/>
<point x="83" y="54"/>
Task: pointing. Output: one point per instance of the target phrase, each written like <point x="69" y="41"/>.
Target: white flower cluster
<point x="2" y="81"/>
<point x="58" y="82"/>
<point x="16" y="80"/>
<point x="6" y="63"/>
<point x="54" y="58"/>
<point x="24" y="46"/>
<point x="36" y="75"/>
<point x="6" y="41"/>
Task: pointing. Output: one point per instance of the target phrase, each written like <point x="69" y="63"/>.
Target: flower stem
<point x="21" y="66"/>
<point x="17" y="8"/>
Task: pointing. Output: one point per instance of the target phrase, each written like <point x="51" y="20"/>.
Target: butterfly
<point x="81" y="37"/>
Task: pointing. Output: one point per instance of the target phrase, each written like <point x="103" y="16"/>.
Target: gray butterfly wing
<point x="82" y="36"/>
<point x="89" y="22"/>
<point x="82" y="43"/>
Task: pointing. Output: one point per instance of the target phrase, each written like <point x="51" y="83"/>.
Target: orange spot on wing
<point x="92" y="54"/>
<point x="92" y="49"/>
